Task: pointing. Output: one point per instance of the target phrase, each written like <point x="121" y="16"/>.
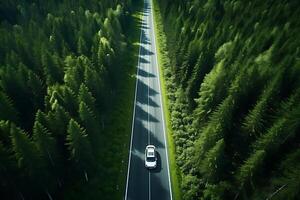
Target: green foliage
<point x="190" y="184"/>
<point x="52" y="68"/>
<point x="79" y="146"/>
<point x="250" y="168"/>
<point x="233" y="86"/>
<point x="29" y="160"/>
<point x="74" y="73"/>
<point x="58" y="120"/>
<point x="93" y="81"/>
<point x="213" y="164"/>
<point x="45" y="143"/>
<point x="217" y="191"/>
<point x="4" y="132"/>
<point x="282" y="130"/>
<point x="58" y="61"/>
<point x="86" y="97"/>
<point x="91" y="124"/>
<point x="25" y="150"/>
<point x="286" y="182"/>
<point x="211" y="92"/>
<point x="82" y="47"/>
<point x="7" y="110"/>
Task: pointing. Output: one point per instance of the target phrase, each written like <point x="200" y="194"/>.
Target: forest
<point x="232" y="72"/>
<point x="62" y="64"/>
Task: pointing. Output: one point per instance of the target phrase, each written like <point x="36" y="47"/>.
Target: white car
<point x="150" y="157"/>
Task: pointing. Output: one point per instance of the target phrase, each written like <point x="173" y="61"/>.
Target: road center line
<point x="148" y="77"/>
<point x="149" y="186"/>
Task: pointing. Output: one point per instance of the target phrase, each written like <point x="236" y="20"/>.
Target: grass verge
<point x="163" y="61"/>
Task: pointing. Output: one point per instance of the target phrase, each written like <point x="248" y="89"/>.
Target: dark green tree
<point x="80" y="149"/>
<point x="7" y="109"/>
<point x="82" y="48"/>
<point x="86" y="96"/>
<point x="91" y="125"/>
<point x="53" y="70"/>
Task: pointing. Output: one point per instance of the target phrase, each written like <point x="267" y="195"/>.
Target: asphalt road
<point x="148" y="123"/>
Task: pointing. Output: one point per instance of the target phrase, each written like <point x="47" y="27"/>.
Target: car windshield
<point x="150" y="159"/>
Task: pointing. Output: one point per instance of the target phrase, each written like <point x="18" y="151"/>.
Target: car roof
<point x="150" y="151"/>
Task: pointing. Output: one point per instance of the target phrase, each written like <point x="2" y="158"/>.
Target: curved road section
<point x="148" y="123"/>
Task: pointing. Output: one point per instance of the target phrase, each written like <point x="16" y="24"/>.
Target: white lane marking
<point x="148" y="82"/>
<point x="148" y="69"/>
<point x="149" y="186"/>
<point x="133" y="115"/>
<point x="160" y="99"/>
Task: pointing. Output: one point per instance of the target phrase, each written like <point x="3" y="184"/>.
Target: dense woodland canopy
<point x="233" y="80"/>
<point x="60" y="66"/>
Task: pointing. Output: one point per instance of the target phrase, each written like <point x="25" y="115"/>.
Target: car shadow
<point x="158" y="165"/>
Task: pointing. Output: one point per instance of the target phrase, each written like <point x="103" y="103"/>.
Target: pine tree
<point x="5" y="133"/>
<point x="268" y="145"/>
<point x="44" y="142"/>
<point x="210" y="93"/>
<point x="4" y="167"/>
<point x="286" y="182"/>
<point x="216" y="129"/>
<point x="46" y="147"/>
<point x="7" y="109"/>
<point x="55" y="97"/>
<point x="82" y="48"/>
<point x="28" y="158"/>
<point x="13" y="82"/>
<point x="74" y="74"/>
<point x="254" y="121"/>
<point x="53" y="70"/>
<point x="94" y="82"/>
<point x="212" y="167"/>
<point x="80" y="149"/>
<point x="8" y="171"/>
<point x="70" y="101"/>
<point x="25" y="151"/>
<point x="86" y="97"/>
<point x="8" y="164"/>
<point x="249" y="170"/>
<point x="91" y="124"/>
<point x="58" y="121"/>
<point x="105" y="53"/>
<point x="37" y="88"/>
